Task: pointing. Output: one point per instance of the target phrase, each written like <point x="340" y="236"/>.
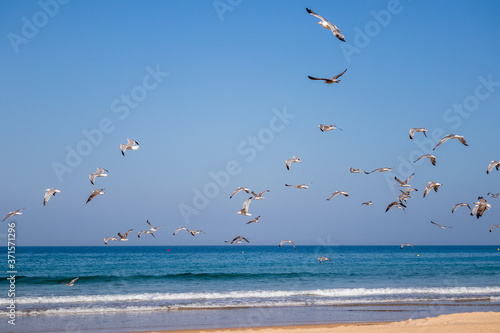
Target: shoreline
<point x="483" y="322"/>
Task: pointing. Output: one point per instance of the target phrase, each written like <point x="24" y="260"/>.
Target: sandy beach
<point x="452" y="323"/>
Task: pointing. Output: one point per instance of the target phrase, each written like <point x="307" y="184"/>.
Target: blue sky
<point x="223" y="84"/>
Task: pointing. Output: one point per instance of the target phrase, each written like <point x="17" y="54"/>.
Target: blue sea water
<point x="142" y="288"/>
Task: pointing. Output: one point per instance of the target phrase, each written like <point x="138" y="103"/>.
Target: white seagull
<point x="429" y="156"/>
<point x="244" y="210"/>
<point x="493" y="195"/>
<point x="255" y="220"/>
<point x="145" y="232"/>
<point x="493" y="164"/>
<point x="260" y="195"/>
<point x="131" y="145"/>
<point x="50" y="192"/>
<point x="357" y="170"/>
<point x="238" y="189"/>
<point x="304" y="186"/>
<point x="406" y="182"/>
<point x="419" y="129"/>
<point x="153" y="228"/>
<point x="195" y="232"/>
<point x="459" y="205"/>
<point x="321" y="259"/>
<point x="98" y="173"/>
<point x="327" y="25"/>
<point x="379" y="170"/>
<point x="288" y="241"/>
<point x="95" y="193"/>
<point x="397" y="204"/>
<point x="367" y="203"/>
<point x="289" y="161"/>
<point x="430" y="186"/>
<point x="238" y="240"/>
<point x="481" y="205"/>
<point x="451" y="136"/>
<point x="125" y="235"/>
<point x="326" y="128"/>
<point x="441" y="226"/>
<point x="329" y="81"/>
<point x="16" y="212"/>
<point x="493" y="226"/>
<point x="107" y="239"/>
<point x="71" y="284"/>
<point x="406" y="244"/>
<point x="179" y="229"/>
<point x="344" y="193"/>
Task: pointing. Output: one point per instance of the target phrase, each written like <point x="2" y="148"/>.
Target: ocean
<point x="193" y="287"/>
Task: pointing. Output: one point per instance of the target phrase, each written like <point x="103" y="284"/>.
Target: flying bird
<point x="179" y="229"/>
<point x="432" y="158"/>
<point x="287" y="241"/>
<point x="419" y="129"/>
<point x="326" y="128"/>
<point x="406" y="244"/>
<point x="460" y="204"/>
<point x="98" y="173"/>
<point x="50" y="192"/>
<point x="238" y="189"/>
<point x="379" y="170"/>
<point x="327" y="25"/>
<point x="367" y="203"/>
<point x="238" y="240"/>
<point x="406" y="182"/>
<point x="337" y="193"/>
<point x="493" y="195"/>
<point x="304" y="186"/>
<point x="397" y="204"/>
<point x="430" y="186"/>
<point x="480" y="206"/>
<point x="107" y="239"/>
<point x="145" y="232"/>
<point x="244" y="210"/>
<point x="321" y="259"/>
<point x="357" y="170"/>
<point x="451" y="136"/>
<point x="94" y="194"/>
<point x="125" y="235"/>
<point x="329" y="81"/>
<point x="195" y="232"/>
<point x="493" y="164"/>
<point x="493" y="226"/>
<point x="289" y="161"/>
<point x="153" y="228"/>
<point x="260" y="195"/>
<point x="71" y="284"/>
<point x="255" y="220"/>
<point x="441" y="226"/>
<point x="16" y="212"/>
<point x="131" y="145"/>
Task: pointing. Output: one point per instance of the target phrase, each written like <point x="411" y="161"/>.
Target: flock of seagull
<point x="480" y="206"/>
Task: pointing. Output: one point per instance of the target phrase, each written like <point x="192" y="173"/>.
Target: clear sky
<point x="217" y="95"/>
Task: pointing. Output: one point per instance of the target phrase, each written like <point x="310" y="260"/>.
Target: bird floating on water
<point x="328" y="81"/>
<point x="328" y="25"/>
<point x="98" y="173"/>
<point x="10" y="214"/>
<point x="131" y="145"/>
<point x="94" y="194"/>
<point x="451" y="136"/>
<point x="50" y="192"/>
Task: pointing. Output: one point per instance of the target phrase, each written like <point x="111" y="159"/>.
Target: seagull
<point x="244" y="210"/>
<point x="451" y="136"/>
<point x="50" y="192"/>
<point x="419" y="129"/>
<point x="493" y="195"/>
<point x="195" y="232"/>
<point x="430" y="186"/>
<point x="405" y="183"/>
<point x="288" y="241"/>
<point x="367" y="203"/>
<point x="255" y="220"/>
<point x="327" y="25"/>
<point x="397" y="204"/>
<point x="71" y="284"/>
<point x="238" y="189"/>
<point x="460" y="204"/>
<point x="153" y="228"/>
<point x="406" y="244"/>
<point x="404" y="196"/>
<point x="357" y="170"/>
<point x="429" y="156"/>
<point x="493" y="164"/>
<point x="493" y="226"/>
<point x="337" y="193"/>
<point x="106" y="239"/>
<point x="259" y="196"/>
<point x="238" y="240"/>
<point x="179" y="229"/>
<point x="16" y="212"/>
<point x="329" y="81"/>
<point x="145" y="232"/>
<point x="480" y="207"/>
<point x="326" y="128"/>
<point x="125" y="235"/>
<point x="289" y="161"/>
<point x="440" y="226"/>
<point x="304" y="186"/>
<point x="98" y="173"/>
<point x="95" y="193"/>
<point x="379" y="170"/>
<point x="131" y="145"/>
<point x="321" y="259"/>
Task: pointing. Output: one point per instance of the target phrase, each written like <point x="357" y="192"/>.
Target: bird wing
<point x="412" y="132"/>
<point x="73" y="281"/>
<point x="462" y="140"/>
<point x="314" y="14"/>
<point x="317" y="78"/>
<point x="180" y="228"/>
<point x="492" y="165"/>
<point x="147" y="221"/>
<point x="339" y="75"/>
<point x="246" y="204"/>
<point x="436" y="224"/>
<point x="92" y="178"/>
<point x="261" y="193"/>
<point x="126" y="234"/>
<point x="396" y="178"/>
